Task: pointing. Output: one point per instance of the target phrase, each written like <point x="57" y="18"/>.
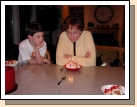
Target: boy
<point x="33" y="49"/>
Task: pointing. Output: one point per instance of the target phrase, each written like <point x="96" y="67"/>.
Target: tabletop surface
<point x="43" y="80"/>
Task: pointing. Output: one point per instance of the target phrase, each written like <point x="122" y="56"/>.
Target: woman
<point x="76" y="43"/>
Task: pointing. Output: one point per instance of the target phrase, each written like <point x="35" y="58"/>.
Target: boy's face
<point x="37" y="38"/>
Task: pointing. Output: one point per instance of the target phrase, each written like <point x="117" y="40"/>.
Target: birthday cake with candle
<point x="72" y="64"/>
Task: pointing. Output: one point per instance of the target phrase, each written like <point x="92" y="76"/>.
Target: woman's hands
<point x="67" y="56"/>
<point x="87" y="55"/>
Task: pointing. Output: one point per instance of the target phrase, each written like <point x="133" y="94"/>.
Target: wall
<point x="118" y="11"/>
<point x="58" y="31"/>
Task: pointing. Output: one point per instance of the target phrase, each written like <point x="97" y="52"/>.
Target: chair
<point x="47" y="55"/>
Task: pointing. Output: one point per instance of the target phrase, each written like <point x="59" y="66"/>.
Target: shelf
<point x="77" y="11"/>
<point x="104" y="30"/>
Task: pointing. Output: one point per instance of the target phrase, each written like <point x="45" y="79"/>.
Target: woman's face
<point x="37" y="38"/>
<point x="73" y="33"/>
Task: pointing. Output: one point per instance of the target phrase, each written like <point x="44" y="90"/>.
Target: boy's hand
<point x="40" y="46"/>
<point x="47" y="61"/>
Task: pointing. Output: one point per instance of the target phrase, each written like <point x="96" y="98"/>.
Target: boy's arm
<point x="40" y="59"/>
<point x="39" y="55"/>
<point x="31" y="61"/>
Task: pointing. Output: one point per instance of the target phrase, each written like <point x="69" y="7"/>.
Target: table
<point x="43" y="80"/>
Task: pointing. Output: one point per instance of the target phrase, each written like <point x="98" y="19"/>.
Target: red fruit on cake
<point x="114" y="90"/>
<point x="10" y="62"/>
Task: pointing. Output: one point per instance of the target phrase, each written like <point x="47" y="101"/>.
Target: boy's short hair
<point x="32" y="28"/>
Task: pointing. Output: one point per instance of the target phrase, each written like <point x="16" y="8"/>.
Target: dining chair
<point x="47" y="55"/>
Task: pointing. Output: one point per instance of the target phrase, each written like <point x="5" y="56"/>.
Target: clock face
<point x="103" y="13"/>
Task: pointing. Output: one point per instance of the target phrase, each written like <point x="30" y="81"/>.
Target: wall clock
<point x="103" y="13"/>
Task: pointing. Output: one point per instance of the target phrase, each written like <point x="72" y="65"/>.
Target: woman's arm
<point x="90" y="55"/>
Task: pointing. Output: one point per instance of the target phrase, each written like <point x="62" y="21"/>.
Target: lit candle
<point x="72" y="59"/>
<point x="69" y="60"/>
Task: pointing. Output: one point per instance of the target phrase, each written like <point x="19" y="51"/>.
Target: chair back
<point x="47" y="55"/>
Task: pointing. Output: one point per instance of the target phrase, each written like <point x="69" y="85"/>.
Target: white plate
<point x="12" y="65"/>
<point x="109" y="86"/>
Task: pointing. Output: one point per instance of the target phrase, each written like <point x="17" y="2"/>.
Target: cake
<point x="72" y="64"/>
<point x="114" y="90"/>
<point x="10" y="62"/>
